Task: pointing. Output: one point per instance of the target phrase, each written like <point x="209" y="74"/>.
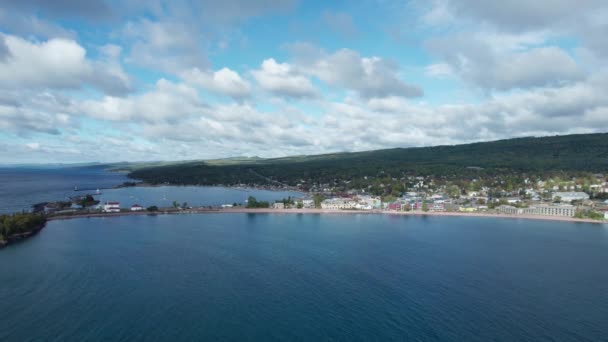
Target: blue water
<point x="259" y="277"/>
<point x="20" y="187"/>
<point x="164" y="196"/>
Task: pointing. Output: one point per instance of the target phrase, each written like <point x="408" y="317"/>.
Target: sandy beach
<point x="325" y="212"/>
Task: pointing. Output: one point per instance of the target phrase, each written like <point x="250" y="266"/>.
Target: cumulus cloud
<point x="534" y="83"/>
<point x="522" y="15"/>
<point x="168" y="101"/>
<point x="224" y="81"/>
<point x="584" y="20"/>
<point x="56" y="63"/>
<point x="171" y="46"/>
<point x="503" y="62"/>
<point x="359" y="125"/>
<point x="4" y="51"/>
<point x="28" y="25"/>
<point x="368" y="76"/>
<point x="283" y="79"/>
<point x="26" y="113"/>
<point x="439" y="70"/>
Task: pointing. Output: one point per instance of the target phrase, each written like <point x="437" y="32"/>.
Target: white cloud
<point x="368" y="76"/>
<point x="583" y="20"/>
<point x="223" y="81"/>
<point x="169" y="45"/>
<point x="283" y="79"/>
<point x="56" y="63"/>
<point x="27" y="25"/>
<point x="172" y="121"/>
<point x="504" y="62"/>
<point x="439" y="70"/>
<point x="168" y="102"/>
<point x="26" y="113"/>
<point x="523" y="15"/>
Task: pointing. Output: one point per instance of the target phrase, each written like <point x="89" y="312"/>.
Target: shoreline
<point x="237" y="187"/>
<point x="326" y="212"/>
<point x="16" y="238"/>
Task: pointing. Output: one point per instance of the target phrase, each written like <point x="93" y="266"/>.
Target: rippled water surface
<point x="306" y="277"/>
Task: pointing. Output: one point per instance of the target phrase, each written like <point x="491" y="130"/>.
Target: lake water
<point x="262" y="277"/>
<point x="20" y="187"/>
<point x="23" y="186"/>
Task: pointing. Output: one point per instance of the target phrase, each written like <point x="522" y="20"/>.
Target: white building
<point x="308" y="203"/>
<point x="278" y="205"/>
<point x="552" y="210"/>
<point x="571" y="196"/>
<point x="363" y="206"/>
<point x="545" y="210"/>
<point x="111" y="207"/>
<point x="136" y="207"/>
<point x="339" y="203"/>
<point x="507" y="209"/>
<point x="513" y="200"/>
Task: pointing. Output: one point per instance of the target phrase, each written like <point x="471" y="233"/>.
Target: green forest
<point x="18" y="224"/>
<point x="570" y="154"/>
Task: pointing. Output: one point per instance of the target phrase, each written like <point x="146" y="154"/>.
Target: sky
<point x="140" y="80"/>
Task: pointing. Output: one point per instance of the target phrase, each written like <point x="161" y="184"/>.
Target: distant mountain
<point x="569" y="153"/>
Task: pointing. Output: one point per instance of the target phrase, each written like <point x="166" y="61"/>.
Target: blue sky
<point x="137" y="80"/>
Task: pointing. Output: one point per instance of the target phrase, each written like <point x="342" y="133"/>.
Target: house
<point x="227" y="206"/>
<point x="552" y="210"/>
<point x="308" y="203"/>
<point x="363" y="206"/>
<point x="507" y="209"/>
<point x="545" y="210"/>
<point x="395" y="206"/>
<point x="278" y="205"/>
<point x="570" y="196"/>
<point x="436" y="206"/>
<point x="605" y="215"/>
<point x="111" y="207"/>
<point x="136" y="207"/>
<point x="339" y="203"/>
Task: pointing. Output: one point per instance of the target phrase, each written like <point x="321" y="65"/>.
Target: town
<point x="582" y="197"/>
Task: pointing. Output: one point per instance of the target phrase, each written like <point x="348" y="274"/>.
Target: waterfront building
<point x="553" y="210"/>
<point x="308" y="203"/>
<point x="571" y="196"/>
<point x="395" y="206"/>
<point x="339" y="203"/>
<point x="136" y="207"/>
<point x="507" y="209"/>
<point x="513" y="200"/>
<point x="544" y="210"/>
<point x="278" y="205"/>
<point x="111" y="207"/>
<point x="437" y="206"/>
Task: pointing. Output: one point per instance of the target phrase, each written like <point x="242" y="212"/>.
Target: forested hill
<point x="570" y="154"/>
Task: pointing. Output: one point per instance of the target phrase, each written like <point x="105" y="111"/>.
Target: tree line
<point x="19" y="223"/>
